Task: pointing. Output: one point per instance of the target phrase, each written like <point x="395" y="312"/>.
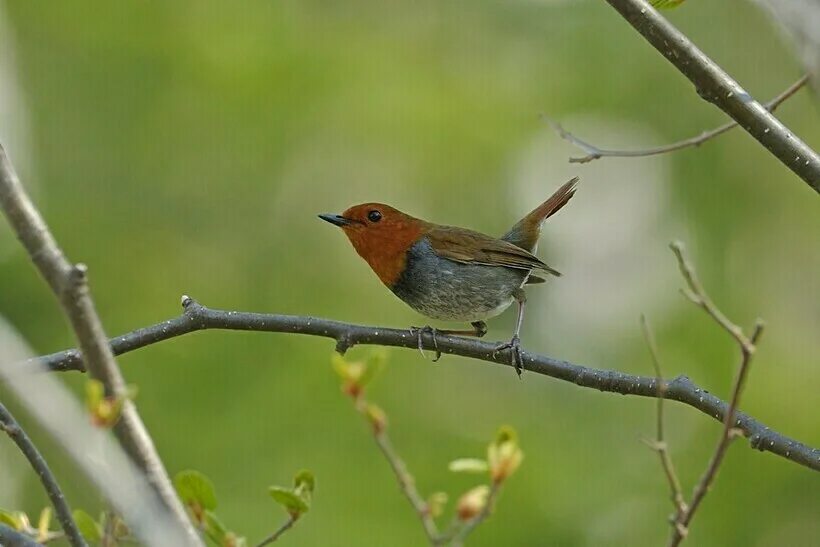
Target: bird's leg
<point x="479" y="330"/>
<point x="418" y="332"/>
<point x="514" y="345"/>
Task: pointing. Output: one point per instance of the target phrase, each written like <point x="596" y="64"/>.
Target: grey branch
<point x="593" y="152"/>
<point x="196" y="317"/>
<point x="38" y="463"/>
<point x="716" y="86"/>
<point x="747" y="347"/>
<point x="68" y="283"/>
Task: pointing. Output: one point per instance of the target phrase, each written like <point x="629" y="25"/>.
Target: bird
<point x="450" y="273"/>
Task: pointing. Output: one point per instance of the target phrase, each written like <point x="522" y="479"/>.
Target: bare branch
<point x="407" y="483"/>
<point x="747" y="348"/>
<point x="197" y="317"/>
<point x="660" y="445"/>
<point x="68" y="283"/>
<point x="593" y="152"/>
<point x="281" y="530"/>
<point x="38" y="463"/>
<point x="716" y="86"/>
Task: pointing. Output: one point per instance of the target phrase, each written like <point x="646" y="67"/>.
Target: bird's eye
<point x="374" y="216"/>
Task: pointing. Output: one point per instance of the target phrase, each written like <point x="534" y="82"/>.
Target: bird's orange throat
<point x="386" y="249"/>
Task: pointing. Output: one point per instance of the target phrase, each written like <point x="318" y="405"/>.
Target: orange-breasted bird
<point x="451" y="273"/>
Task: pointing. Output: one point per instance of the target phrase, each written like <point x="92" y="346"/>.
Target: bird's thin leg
<point x="514" y="345"/>
<point x="479" y="330"/>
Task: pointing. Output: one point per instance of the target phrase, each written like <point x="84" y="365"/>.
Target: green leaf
<point x="87" y="526"/>
<point x="666" y="4"/>
<point x="304" y="481"/>
<point x="375" y="364"/>
<point x="195" y="488"/>
<point x="290" y="500"/>
<point x="506" y="433"/>
<point x="468" y="465"/>
<point x="15" y="519"/>
<point x="214" y="527"/>
<point x="94" y="394"/>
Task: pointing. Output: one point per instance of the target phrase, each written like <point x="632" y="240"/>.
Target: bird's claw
<point x="418" y="332"/>
<point x="517" y="358"/>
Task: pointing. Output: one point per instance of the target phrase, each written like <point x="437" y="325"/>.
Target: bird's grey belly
<point x="452" y="291"/>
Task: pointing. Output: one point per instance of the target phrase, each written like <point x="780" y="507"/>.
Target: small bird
<point x="450" y="273"/>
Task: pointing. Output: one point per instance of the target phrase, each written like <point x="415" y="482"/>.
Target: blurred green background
<point x="186" y="147"/>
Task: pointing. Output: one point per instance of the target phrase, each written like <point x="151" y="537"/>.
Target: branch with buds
<point x="474" y="506"/>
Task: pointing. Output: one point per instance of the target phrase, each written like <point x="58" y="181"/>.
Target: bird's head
<point x="381" y="235"/>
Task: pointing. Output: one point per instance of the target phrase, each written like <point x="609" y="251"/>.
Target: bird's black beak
<point x="338" y="220"/>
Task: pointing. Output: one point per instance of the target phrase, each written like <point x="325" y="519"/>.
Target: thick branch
<point x="716" y="86"/>
<point x="197" y="317"/>
<point x="38" y="463"/>
<point x="68" y="283"/>
<point x="593" y="152"/>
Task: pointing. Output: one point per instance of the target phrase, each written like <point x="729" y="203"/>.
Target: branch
<point x="69" y="284"/>
<point x="38" y="463"/>
<point x="593" y="152"/>
<point x="716" y="86"/>
<point x="747" y="348"/>
<point x="281" y="530"/>
<point x="196" y="317"/>
<point x="659" y="445"/>
<point x="406" y="481"/>
<point x="9" y="537"/>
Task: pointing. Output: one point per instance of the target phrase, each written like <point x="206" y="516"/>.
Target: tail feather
<point x="527" y="230"/>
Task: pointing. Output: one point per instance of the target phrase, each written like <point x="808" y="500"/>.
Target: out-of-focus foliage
<point x="666" y="4"/>
<point x="187" y="146"/>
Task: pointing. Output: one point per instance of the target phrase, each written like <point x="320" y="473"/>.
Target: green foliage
<point x="468" y="465"/>
<point x="195" y="489"/>
<point x="296" y="500"/>
<point x="16" y="519"/>
<point x="667" y="4"/>
<point x="357" y="375"/>
<point x="88" y="526"/>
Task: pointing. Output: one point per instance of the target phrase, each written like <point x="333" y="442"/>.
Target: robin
<point x="450" y="273"/>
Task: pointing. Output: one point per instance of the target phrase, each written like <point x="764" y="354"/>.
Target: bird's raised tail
<point x="526" y="231"/>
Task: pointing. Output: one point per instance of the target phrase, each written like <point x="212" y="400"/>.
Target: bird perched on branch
<point x="450" y="273"/>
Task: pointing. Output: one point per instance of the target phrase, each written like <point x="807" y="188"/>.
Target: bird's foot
<point x="418" y="332"/>
<point x="517" y="358"/>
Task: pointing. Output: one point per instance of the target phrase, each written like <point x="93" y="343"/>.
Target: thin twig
<point x="69" y="284"/>
<point x="716" y="86"/>
<point x="196" y="317"/>
<point x="747" y="348"/>
<point x="659" y="445"/>
<point x="50" y="484"/>
<point x="407" y="483"/>
<point x="281" y="530"/>
<point x="594" y="152"/>
<point x="470" y="525"/>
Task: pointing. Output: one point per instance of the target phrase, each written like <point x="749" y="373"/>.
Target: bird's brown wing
<point x="470" y="247"/>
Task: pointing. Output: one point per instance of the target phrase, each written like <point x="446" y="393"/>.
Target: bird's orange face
<point x="381" y="235"/>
